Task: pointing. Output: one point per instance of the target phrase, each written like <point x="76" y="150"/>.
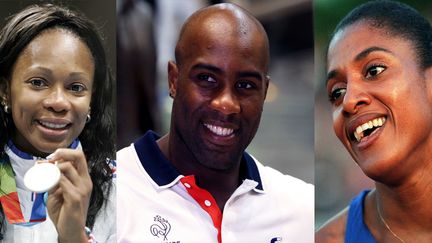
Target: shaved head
<point x="221" y="21"/>
<point x="219" y="80"/>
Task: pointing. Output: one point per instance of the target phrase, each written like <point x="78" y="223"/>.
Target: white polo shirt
<point x="155" y="203"/>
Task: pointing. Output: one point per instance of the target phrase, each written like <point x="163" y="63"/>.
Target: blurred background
<point x="337" y="178"/>
<point x="147" y="31"/>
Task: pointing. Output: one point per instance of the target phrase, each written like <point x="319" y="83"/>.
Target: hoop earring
<point x="88" y="118"/>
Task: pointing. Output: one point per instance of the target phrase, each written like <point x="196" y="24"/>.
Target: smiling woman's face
<point x="50" y="91"/>
<point x="381" y="100"/>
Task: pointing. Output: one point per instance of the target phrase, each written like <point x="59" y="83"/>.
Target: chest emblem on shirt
<point x="276" y="240"/>
<point x="161" y="228"/>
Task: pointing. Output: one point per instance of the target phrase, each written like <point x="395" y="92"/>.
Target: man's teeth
<point x="220" y="131"/>
<point x="52" y="125"/>
<point x="359" y="132"/>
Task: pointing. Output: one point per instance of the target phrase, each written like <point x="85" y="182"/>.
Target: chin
<point x="50" y="147"/>
<point x="382" y="171"/>
<point x="218" y="161"/>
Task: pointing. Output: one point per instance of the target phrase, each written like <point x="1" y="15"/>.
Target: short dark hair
<point x="97" y="137"/>
<point x="397" y="19"/>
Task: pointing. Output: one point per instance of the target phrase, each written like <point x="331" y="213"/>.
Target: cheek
<point x="338" y="123"/>
<point x="252" y="110"/>
<point x="406" y="100"/>
<point x="23" y="105"/>
<point x="190" y="102"/>
<point x="192" y="97"/>
<point x="184" y="107"/>
<point x="82" y="109"/>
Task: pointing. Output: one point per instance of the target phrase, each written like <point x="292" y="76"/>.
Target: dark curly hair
<point x="398" y="19"/>
<point x="97" y="138"/>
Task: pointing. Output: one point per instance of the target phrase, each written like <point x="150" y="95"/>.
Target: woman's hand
<point x="68" y="202"/>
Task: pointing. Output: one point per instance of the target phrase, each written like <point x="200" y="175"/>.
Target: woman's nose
<point x="355" y="97"/>
<point x="57" y="100"/>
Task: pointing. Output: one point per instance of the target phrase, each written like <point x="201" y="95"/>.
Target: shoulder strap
<point x="356" y="229"/>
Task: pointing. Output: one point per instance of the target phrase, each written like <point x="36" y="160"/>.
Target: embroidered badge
<point x="160" y="228"/>
<point x="276" y="240"/>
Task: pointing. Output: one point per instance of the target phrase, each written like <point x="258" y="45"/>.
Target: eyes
<point x="37" y="83"/>
<point x="41" y="84"/>
<point x="77" y="87"/>
<point x="208" y="81"/>
<point x="339" y="88"/>
<point x="374" y="71"/>
<point x="336" y="94"/>
<point x="206" y="78"/>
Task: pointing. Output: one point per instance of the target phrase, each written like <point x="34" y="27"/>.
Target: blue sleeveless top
<point x="356" y="229"/>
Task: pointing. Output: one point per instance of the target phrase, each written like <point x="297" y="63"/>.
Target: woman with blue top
<point x="56" y="96"/>
<point x="379" y="82"/>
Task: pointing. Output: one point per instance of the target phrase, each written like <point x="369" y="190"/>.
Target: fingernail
<point x="51" y="156"/>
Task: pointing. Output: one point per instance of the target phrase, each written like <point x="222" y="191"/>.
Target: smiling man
<point x="197" y="183"/>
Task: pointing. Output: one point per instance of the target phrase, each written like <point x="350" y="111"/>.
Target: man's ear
<point x="428" y="82"/>
<point x="172" y="78"/>
<point x="267" y="83"/>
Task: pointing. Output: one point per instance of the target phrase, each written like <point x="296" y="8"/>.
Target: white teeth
<point x="356" y="136"/>
<point x="359" y="132"/>
<point x="53" y="125"/>
<point x="220" y="131"/>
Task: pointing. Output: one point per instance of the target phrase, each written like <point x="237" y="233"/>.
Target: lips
<point x="364" y="129"/>
<point x="219" y="133"/>
<point x="52" y="125"/>
<point x="219" y="130"/>
<point x="368" y="127"/>
<point x="53" y="129"/>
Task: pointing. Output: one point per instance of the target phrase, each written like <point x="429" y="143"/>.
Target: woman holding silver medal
<point x="57" y="129"/>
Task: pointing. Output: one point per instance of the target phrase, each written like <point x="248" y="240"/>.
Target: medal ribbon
<point x="10" y="201"/>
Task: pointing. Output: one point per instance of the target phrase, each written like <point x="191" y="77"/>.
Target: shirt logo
<point x="276" y="240"/>
<point x="160" y="228"/>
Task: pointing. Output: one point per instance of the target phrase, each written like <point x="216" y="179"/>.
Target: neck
<point x="405" y="208"/>
<point x="220" y="183"/>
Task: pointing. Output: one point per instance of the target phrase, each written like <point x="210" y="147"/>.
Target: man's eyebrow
<point x="369" y="50"/>
<point x="250" y="74"/>
<point x="241" y="74"/>
<point x="208" y="67"/>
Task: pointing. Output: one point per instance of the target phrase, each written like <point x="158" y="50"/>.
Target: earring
<point x="88" y="118"/>
<point x="6" y="108"/>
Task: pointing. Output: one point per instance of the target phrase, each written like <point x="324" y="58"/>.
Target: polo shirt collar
<point x="163" y="173"/>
